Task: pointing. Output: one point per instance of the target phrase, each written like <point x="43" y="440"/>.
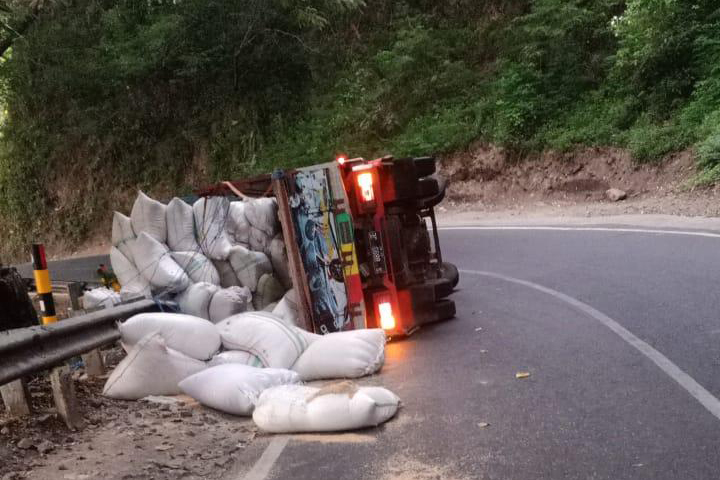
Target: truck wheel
<point x="442" y="287"/>
<point x="444" y="310"/>
<point x="450" y="272"/>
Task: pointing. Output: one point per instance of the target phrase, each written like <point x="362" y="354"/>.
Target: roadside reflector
<point x="387" y="320"/>
<point x="365" y="182"/>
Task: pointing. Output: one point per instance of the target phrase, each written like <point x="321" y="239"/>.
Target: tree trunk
<point x="17" y="310"/>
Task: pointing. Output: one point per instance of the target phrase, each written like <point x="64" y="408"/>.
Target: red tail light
<point x="387" y="318"/>
<point x="365" y="182"/>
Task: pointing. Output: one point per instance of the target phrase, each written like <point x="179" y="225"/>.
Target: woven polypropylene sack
<point x="233" y="388"/>
<point x="101" y="296"/>
<point x="260" y="241"/>
<point x="192" y="336"/>
<point x="264" y="335"/>
<point x="227" y="274"/>
<point x="148" y="216"/>
<point x="210" y="217"/>
<point x="180" y="227"/>
<point x="280" y="262"/>
<point x="262" y="213"/>
<point x="154" y="262"/>
<point x="123" y="234"/>
<point x="350" y="354"/>
<point x="235" y="356"/>
<point x="249" y="266"/>
<point x="268" y="291"/>
<point x="287" y="308"/>
<point x="198" y="267"/>
<point x="128" y="276"/>
<point x="334" y="408"/>
<point x="230" y="301"/>
<point x="195" y="300"/>
<point x="237" y="225"/>
<point x="151" y="368"/>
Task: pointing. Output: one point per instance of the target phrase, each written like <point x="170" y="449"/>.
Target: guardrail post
<point x="15" y="396"/>
<point x="43" y="286"/>
<point x="63" y="390"/>
<point x="94" y="366"/>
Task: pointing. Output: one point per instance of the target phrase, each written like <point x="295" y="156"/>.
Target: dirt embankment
<point x="489" y="179"/>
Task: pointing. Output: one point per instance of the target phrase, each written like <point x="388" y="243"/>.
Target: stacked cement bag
<point x="186" y="251"/>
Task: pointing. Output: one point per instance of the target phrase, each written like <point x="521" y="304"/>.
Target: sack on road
<point x="235" y="356"/>
<point x="191" y="336"/>
<point x="198" y="267"/>
<point x="180" y="227"/>
<point x="234" y="388"/>
<point x="351" y="354"/>
<point x="123" y="234"/>
<point x="333" y="408"/>
<point x="276" y="344"/>
<point x="230" y="301"/>
<point x="155" y="264"/>
<point x="195" y="300"/>
<point x="249" y="266"/>
<point x="151" y="368"/>
<point x="210" y="216"/>
<point x="148" y="216"/>
<point x="128" y="276"/>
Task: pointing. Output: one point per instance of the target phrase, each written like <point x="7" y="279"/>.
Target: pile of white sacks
<point x="216" y="258"/>
<point x="253" y="363"/>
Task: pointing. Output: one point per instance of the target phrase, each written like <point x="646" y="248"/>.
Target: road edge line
<point x="585" y="229"/>
<point x="697" y="391"/>
<point x="267" y="460"/>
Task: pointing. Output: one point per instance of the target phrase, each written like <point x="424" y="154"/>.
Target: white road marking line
<point x="706" y="399"/>
<point x="589" y="229"/>
<point x="272" y="452"/>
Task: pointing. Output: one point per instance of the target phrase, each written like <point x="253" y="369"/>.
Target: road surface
<point x="619" y="330"/>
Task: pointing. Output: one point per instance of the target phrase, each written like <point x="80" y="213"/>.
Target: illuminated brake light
<point x="387" y="319"/>
<point x="365" y="182"/>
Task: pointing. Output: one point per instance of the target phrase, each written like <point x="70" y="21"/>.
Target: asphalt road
<point x="599" y="404"/>
<point x="77" y="269"/>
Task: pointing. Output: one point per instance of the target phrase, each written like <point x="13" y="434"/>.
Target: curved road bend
<point x="620" y="332"/>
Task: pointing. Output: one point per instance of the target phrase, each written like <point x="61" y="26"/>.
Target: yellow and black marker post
<point x="43" y="286"/>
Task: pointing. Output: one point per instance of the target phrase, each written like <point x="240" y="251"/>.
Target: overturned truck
<point x="331" y="247"/>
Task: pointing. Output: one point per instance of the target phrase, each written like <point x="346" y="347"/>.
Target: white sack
<point x="335" y="407"/>
<point x="210" y="218"/>
<point x="195" y="300"/>
<point x="150" y="369"/>
<point x="155" y="264"/>
<point x="230" y="301"/>
<point x="268" y="291"/>
<point x="259" y="241"/>
<point x="237" y="225"/>
<point x="287" y="308"/>
<point x="249" y="266"/>
<point x="280" y="262"/>
<point x="148" y="216"/>
<point x="180" y="227"/>
<point x="198" y="267"/>
<point x="192" y="336"/>
<point x="350" y="354"/>
<point x="122" y="234"/>
<point x="100" y="297"/>
<point x="262" y="214"/>
<point x="235" y="356"/>
<point x="227" y="274"/>
<point x="234" y="388"/>
<point x="264" y="335"/>
<point x="131" y="282"/>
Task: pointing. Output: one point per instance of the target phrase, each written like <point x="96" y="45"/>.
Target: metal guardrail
<point x="29" y="350"/>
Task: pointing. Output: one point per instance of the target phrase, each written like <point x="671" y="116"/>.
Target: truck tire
<point x="444" y="310"/>
<point x="424" y="166"/>
<point x="442" y="287"/>
<point x="450" y="272"/>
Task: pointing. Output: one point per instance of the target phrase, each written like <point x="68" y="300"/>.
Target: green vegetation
<point x="106" y="96"/>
